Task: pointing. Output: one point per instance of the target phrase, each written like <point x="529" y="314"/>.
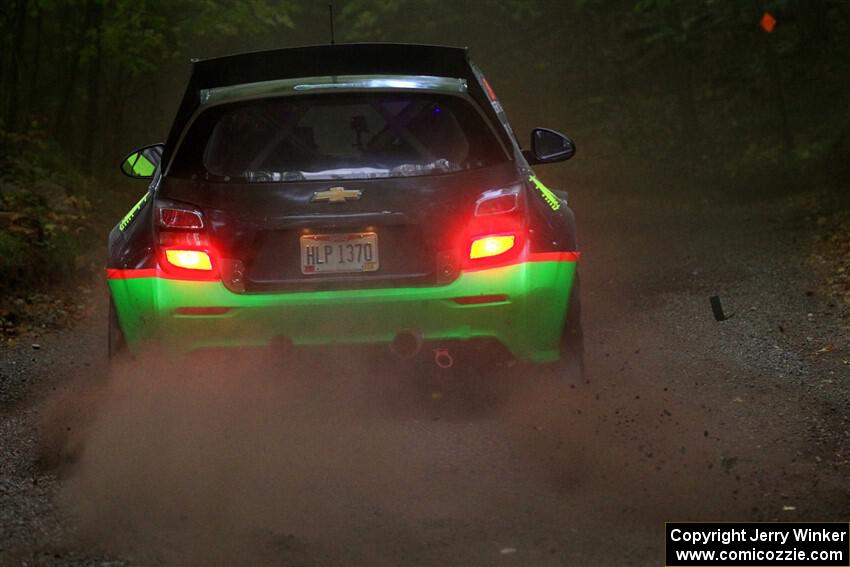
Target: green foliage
<point x="15" y="261"/>
<point x="693" y="82"/>
<point x="44" y="213"/>
<point x="87" y="70"/>
<point x="140" y="36"/>
<point x="699" y="78"/>
<point x="666" y="81"/>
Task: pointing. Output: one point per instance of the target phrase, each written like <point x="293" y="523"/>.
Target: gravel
<point x="683" y="418"/>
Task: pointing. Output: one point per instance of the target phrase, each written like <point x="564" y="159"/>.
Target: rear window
<point x="337" y="136"/>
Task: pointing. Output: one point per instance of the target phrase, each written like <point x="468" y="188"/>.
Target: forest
<point x="748" y="93"/>
<point x="702" y="377"/>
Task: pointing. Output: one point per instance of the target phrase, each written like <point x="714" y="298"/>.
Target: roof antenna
<point x="331" y="17"/>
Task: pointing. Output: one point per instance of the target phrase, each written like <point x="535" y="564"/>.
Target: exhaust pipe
<point x="406" y="344"/>
<point x="443" y="358"/>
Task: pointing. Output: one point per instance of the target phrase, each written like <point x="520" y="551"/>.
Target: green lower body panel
<point x="526" y="314"/>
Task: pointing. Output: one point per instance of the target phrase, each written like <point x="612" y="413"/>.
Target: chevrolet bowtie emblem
<point x="336" y="195"/>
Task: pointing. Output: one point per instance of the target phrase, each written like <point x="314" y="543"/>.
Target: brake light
<point x="492" y="245"/>
<point x="184" y="240"/>
<point x="495" y="233"/>
<point x="180" y="218"/>
<point x="184" y="247"/>
<point x="189" y="259"/>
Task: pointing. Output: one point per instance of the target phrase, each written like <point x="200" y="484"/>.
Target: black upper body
<point x="413" y="134"/>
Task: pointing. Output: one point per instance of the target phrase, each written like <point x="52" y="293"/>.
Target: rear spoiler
<point x="323" y="60"/>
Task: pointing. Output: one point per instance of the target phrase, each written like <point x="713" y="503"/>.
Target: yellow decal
<point x="550" y="198"/>
<point x="128" y="218"/>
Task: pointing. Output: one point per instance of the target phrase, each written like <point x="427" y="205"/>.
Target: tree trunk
<point x="775" y="71"/>
<point x="32" y="89"/>
<point x="815" y="17"/>
<point x="4" y="58"/>
<point x="67" y="95"/>
<point x="19" y="27"/>
<point x="686" y="105"/>
<point x="117" y="103"/>
<point x="94" y="20"/>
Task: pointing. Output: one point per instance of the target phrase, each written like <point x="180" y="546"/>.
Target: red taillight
<point x="189" y="259"/>
<point x="496" y="232"/>
<point x="185" y="250"/>
<point x="180" y="218"/>
<point x="491" y="245"/>
<point x="190" y="264"/>
<point x="183" y="240"/>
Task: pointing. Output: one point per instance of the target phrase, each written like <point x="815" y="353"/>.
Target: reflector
<point x="496" y="205"/>
<point x="489" y="246"/>
<point x="497" y="201"/>
<point x="189" y="259"/>
<point x="180" y="218"/>
<point x="202" y="310"/>
<point x="480" y="299"/>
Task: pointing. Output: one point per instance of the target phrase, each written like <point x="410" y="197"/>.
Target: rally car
<point x="360" y="194"/>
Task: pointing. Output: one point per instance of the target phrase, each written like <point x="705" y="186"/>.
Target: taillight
<point x="184" y="246"/>
<point x="491" y="245"/>
<point x="497" y="201"/>
<point x="496" y="232"/>
<point x="180" y="218"/>
<point x="493" y="232"/>
<point x="189" y="259"/>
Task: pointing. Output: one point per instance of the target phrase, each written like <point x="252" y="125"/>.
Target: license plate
<point x="339" y="253"/>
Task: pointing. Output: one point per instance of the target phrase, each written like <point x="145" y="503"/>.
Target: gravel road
<point x="341" y="462"/>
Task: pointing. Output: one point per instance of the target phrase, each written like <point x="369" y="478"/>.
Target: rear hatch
<point x="395" y="232"/>
<point x="344" y="186"/>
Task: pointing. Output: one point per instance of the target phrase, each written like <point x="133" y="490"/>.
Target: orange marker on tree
<point x="768" y="22"/>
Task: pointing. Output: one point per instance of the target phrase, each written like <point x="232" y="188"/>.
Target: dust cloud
<point x="340" y="458"/>
<point x="251" y="457"/>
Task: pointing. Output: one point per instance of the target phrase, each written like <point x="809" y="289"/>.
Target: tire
<point x="571" y="365"/>
<point x="117" y="344"/>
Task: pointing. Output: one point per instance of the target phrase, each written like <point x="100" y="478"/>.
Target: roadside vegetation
<point x="831" y="256"/>
<point x="45" y="234"/>
<point x="751" y="95"/>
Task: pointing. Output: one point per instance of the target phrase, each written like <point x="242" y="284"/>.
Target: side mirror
<point x="549" y="146"/>
<point x="141" y="163"/>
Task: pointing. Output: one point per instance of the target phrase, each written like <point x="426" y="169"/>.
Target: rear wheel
<point x="116" y="342"/>
<point x="571" y="365"/>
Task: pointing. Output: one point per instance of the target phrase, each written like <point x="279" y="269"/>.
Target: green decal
<point x="550" y="198"/>
<point x="143" y="167"/>
<point x="130" y="215"/>
<point x="529" y="323"/>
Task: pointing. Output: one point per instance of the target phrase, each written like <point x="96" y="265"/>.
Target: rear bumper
<point x="527" y="319"/>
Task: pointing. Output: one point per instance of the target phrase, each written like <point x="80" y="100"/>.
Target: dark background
<point x="713" y="160"/>
<point x="697" y="88"/>
<point x="653" y="79"/>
